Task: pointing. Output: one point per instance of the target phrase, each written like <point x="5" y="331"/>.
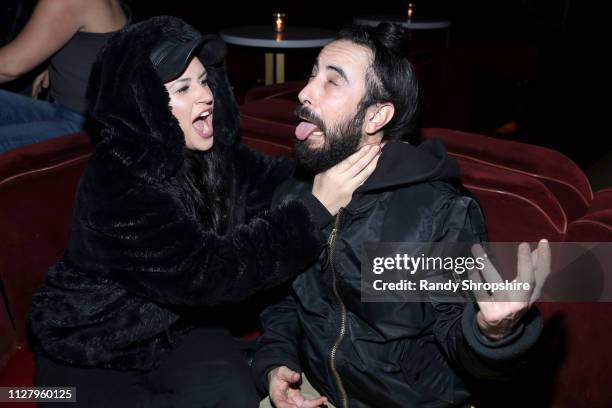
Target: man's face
<point x="331" y="109"/>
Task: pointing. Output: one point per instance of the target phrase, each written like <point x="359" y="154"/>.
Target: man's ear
<point x="377" y="116"/>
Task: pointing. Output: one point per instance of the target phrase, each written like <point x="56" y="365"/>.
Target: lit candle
<point x="279" y="22"/>
<point x="410" y="10"/>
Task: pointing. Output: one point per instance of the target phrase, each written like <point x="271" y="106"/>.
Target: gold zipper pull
<point x="332" y="238"/>
<point x="330" y="246"/>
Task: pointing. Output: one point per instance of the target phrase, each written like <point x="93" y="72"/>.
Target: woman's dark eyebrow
<point x="188" y="79"/>
<point x="340" y="72"/>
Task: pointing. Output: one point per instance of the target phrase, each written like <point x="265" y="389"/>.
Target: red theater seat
<point x="8" y="340"/>
<point x="37" y="186"/>
<point x="516" y="207"/>
<point x="602" y="200"/>
<point x="556" y="171"/>
<point x="288" y="91"/>
<point x="266" y="147"/>
<point x="271" y="120"/>
<point x="595" y="226"/>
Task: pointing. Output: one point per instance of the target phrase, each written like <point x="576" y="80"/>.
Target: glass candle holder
<point x="278" y="22"/>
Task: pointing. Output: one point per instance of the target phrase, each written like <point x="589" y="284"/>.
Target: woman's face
<point x="191" y="103"/>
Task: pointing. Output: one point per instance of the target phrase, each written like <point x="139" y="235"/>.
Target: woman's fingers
<point x="347" y="163"/>
<point x="354" y="159"/>
<point x="357" y="166"/>
<point x="366" y="171"/>
<point x="334" y="187"/>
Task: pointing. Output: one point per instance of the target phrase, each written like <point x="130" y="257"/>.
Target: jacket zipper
<point x="332" y="354"/>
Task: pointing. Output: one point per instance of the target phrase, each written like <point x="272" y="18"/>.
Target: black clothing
<point x="69" y="68"/>
<point x="388" y="354"/>
<point x="204" y="369"/>
<point x="137" y="256"/>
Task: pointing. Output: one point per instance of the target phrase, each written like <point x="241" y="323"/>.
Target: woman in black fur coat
<point x="165" y="223"/>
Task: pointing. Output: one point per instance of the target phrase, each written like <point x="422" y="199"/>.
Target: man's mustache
<point x="306" y="114"/>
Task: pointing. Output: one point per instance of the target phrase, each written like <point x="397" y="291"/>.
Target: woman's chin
<point x="200" y="143"/>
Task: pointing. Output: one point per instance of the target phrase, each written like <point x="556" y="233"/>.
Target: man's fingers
<point x="288" y="375"/>
<point x="296" y="397"/>
<point x="282" y="402"/>
<point x="280" y="398"/>
<point x="313" y="403"/>
<point x="489" y="272"/>
<point x="524" y="264"/>
<point x="481" y="295"/>
<point x="542" y="269"/>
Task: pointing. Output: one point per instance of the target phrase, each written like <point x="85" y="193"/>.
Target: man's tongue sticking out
<point x="305" y="129"/>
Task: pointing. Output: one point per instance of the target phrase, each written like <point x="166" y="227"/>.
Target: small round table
<point x="265" y="37"/>
<point x="413" y="24"/>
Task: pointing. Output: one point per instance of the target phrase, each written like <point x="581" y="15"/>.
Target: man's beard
<point x="340" y="141"/>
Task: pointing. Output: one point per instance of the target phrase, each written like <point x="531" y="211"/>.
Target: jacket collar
<point x="402" y="164"/>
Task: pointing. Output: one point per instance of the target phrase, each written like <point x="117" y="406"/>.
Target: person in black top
<point x="171" y="219"/>
<point x="69" y="34"/>
<point x="323" y="344"/>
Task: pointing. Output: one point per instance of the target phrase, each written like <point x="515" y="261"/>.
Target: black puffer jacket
<point x="136" y="254"/>
<point x="384" y="354"/>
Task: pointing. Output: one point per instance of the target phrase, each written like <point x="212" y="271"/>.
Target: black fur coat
<point x="135" y="252"/>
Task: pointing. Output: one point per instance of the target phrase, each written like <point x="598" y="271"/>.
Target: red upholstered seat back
<point x="37" y="187"/>
<point x="578" y="334"/>
<point x="8" y="339"/>
<point x="556" y="171"/>
<point x="593" y="227"/>
<point x="574" y="353"/>
<point x="516" y="207"/>
<point x="288" y="91"/>
<point x="602" y="200"/>
<point x="266" y="147"/>
<point x="270" y="120"/>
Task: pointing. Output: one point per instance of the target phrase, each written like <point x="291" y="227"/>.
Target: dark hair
<point x="390" y="77"/>
<point x="202" y="180"/>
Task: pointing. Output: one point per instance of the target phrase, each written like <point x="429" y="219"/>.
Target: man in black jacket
<point x="322" y="344"/>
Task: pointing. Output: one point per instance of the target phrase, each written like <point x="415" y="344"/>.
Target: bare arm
<point x="53" y="23"/>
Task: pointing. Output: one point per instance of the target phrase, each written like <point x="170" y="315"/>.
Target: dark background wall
<point x="537" y="63"/>
<point x="546" y="76"/>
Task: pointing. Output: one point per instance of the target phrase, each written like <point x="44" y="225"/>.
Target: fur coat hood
<point x="138" y="132"/>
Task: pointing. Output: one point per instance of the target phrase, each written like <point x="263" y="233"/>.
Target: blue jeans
<point x="24" y="120"/>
